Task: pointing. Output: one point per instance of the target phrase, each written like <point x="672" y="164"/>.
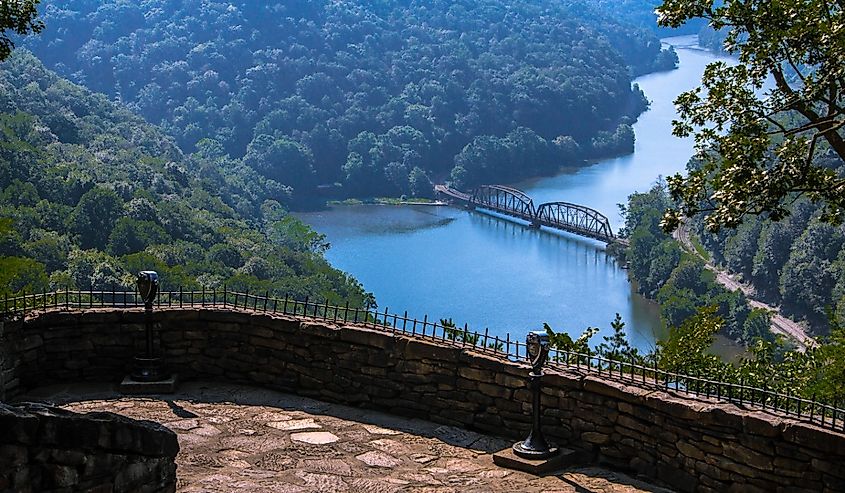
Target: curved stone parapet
<point x="49" y="449"/>
<point x="689" y="444"/>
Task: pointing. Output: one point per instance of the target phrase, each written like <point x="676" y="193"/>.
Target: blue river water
<point x="494" y="274"/>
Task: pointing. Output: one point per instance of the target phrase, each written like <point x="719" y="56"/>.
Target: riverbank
<point x="387" y="201"/>
<point x="506" y="277"/>
<point x="780" y="324"/>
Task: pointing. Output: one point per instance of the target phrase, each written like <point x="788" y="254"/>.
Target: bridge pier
<point x="534" y="225"/>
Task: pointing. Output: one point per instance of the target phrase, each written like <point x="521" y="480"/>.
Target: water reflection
<point x="482" y="270"/>
<point x="496" y="274"/>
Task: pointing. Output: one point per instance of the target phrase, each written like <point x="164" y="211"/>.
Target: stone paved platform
<point x="237" y="438"/>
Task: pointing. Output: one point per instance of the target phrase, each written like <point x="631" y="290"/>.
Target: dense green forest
<point x="640" y="14"/>
<point x="817" y="374"/>
<point x="679" y="281"/>
<point x="90" y="194"/>
<point x="797" y="263"/>
<point x="379" y="97"/>
<point x="801" y="259"/>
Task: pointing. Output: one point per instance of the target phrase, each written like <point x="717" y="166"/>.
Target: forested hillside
<point x="381" y="97"/>
<point x="90" y="194"/>
<point x="678" y="281"/>
<point x="797" y="263"/>
<point x="640" y="14"/>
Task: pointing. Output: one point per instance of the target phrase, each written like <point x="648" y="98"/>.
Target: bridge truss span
<point x="504" y="200"/>
<point x="509" y="201"/>
<point x="576" y="219"/>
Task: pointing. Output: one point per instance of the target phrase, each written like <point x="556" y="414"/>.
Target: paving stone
<point x="378" y="459"/>
<point x="181" y="425"/>
<point x="354" y="450"/>
<point x="366" y="485"/>
<point x="234" y="458"/>
<point x="322" y="482"/>
<point x="250" y="444"/>
<point x="337" y="467"/>
<point x="462" y="465"/>
<point x="294" y="424"/>
<point x="205" y="431"/>
<point x="392" y="447"/>
<point x="275" y="461"/>
<point x="315" y="437"/>
<point x="377" y="430"/>
<point x="456" y="436"/>
<point x="495" y="473"/>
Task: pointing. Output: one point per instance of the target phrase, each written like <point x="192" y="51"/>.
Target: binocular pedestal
<point x="149" y="375"/>
<point x="535" y="446"/>
<point x="534" y="455"/>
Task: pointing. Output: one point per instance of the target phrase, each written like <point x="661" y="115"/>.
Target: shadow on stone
<point x="561" y="459"/>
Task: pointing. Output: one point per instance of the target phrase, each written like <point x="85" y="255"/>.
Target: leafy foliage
<point x="20" y="17"/>
<point x="686" y="348"/>
<point x="564" y="342"/>
<point x="758" y="150"/>
<point x="797" y="263"/>
<point x="686" y="351"/>
<point x="616" y="346"/>
<point x="363" y="93"/>
<point x="454" y="333"/>
<point x="90" y="194"/>
<point x="679" y="282"/>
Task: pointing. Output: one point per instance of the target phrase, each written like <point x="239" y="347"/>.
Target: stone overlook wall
<point x="49" y="449"/>
<point x="691" y="445"/>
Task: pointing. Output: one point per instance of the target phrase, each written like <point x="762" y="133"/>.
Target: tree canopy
<point x="19" y="17"/>
<point x="678" y="281"/>
<point x="759" y="148"/>
<point x="90" y="194"/>
<point x="361" y="94"/>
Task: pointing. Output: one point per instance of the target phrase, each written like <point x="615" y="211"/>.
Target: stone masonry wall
<point x="691" y="445"/>
<point x="45" y="449"/>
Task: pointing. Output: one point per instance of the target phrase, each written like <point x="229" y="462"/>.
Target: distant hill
<point x="90" y="194"/>
<point x="380" y="97"/>
<point x="641" y="14"/>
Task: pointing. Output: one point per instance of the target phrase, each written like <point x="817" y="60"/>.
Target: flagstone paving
<point x="236" y="438"/>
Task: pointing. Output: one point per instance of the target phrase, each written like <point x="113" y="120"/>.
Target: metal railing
<point x="633" y="372"/>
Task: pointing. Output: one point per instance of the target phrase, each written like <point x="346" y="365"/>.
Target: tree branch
<point x="828" y="123"/>
<point x="792" y="62"/>
<point x="824" y="127"/>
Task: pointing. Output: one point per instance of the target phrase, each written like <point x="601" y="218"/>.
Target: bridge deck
<point x="600" y="230"/>
<point x="451" y="192"/>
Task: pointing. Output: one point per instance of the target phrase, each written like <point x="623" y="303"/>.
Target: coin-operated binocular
<point x="149" y="367"/>
<point x="535" y="446"/>
<point x="537" y="343"/>
<point x="148" y="288"/>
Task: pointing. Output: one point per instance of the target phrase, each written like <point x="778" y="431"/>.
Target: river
<point x="494" y="274"/>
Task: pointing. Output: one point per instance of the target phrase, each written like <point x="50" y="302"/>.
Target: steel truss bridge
<point x="563" y="216"/>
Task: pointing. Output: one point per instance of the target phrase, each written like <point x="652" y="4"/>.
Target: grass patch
<point x="383" y="201"/>
<point x="346" y="202"/>
<point x="699" y="248"/>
